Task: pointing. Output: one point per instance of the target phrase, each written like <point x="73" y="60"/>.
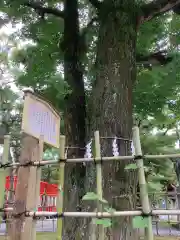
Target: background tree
<point x="54" y="46"/>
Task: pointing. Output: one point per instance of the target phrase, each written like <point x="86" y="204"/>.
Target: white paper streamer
<point x="115" y="148"/>
<point x="132" y="149"/>
<point x="88" y="153"/>
<point x="66" y="153"/>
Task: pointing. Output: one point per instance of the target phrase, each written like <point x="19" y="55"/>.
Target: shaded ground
<point x="40" y="236"/>
<point x="47" y="228"/>
<point x="166" y="231"/>
<point x="52" y="236"/>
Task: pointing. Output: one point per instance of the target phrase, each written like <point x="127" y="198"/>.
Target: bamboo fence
<point x="146" y="208"/>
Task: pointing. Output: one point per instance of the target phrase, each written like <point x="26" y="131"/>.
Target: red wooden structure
<point x="47" y="196"/>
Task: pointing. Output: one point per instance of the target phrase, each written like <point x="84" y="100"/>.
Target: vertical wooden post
<point x="38" y="180"/>
<point x="4" y="172"/>
<point x="29" y="232"/>
<point x="11" y="192"/>
<point x="29" y="153"/>
<point x="61" y="187"/>
<point x="99" y="179"/>
<point x="142" y="182"/>
<point x="168" y="207"/>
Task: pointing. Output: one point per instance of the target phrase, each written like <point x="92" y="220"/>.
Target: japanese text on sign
<point x="39" y="119"/>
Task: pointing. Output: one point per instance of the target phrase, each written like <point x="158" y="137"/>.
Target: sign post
<point x="40" y="121"/>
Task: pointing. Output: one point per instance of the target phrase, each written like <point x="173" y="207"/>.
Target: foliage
<point x="140" y="222"/>
<point x="159" y="88"/>
<point x="106" y="222"/>
<point x="50" y="173"/>
<point x="159" y="172"/>
<point x="42" y="58"/>
<point x="11" y="115"/>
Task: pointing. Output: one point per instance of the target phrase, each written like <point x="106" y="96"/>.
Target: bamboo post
<point x="4" y="172"/>
<point x="93" y="229"/>
<point x="99" y="179"/>
<point x="142" y="182"/>
<point x="61" y="187"/>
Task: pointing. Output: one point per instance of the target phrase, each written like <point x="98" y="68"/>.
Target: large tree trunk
<point x="75" y="115"/>
<point x="112" y="101"/>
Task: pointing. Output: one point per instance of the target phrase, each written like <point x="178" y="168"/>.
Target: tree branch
<point x="44" y="10"/>
<point x="160" y="58"/>
<point x="156" y="8"/>
<point x="95" y="3"/>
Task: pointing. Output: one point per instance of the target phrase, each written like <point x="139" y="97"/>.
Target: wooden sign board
<point x="40" y="119"/>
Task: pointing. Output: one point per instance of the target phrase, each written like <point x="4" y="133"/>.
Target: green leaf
<point x="158" y="177"/>
<point x="131" y="166"/>
<point x="90" y="196"/>
<point x="94" y="196"/>
<point x="140" y="222"/>
<point x="106" y="222"/>
<point x="109" y="209"/>
<point x="155" y="186"/>
<point x="104" y="201"/>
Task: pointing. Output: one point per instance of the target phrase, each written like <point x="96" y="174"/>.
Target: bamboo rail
<point x="80" y="160"/>
<point x="97" y="214"/>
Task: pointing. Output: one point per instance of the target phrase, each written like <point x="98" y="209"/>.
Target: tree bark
<point x="112" y="103"/>
<point x="75" y="114"/>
